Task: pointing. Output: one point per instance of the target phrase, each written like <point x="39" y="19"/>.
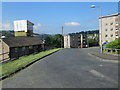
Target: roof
<point x="112" y="15"/>
<point x="24" y="20"/>
<point x="22" y="41"/>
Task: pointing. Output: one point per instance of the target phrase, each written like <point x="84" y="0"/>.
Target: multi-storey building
<point x="23" y="28"/>
<point x="109" y="30"/>
<point x="75" y="41"/>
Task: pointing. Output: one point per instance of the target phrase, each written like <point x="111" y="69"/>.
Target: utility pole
<point x="62" y="38"/>
<point x="87" y="39"/>
<point x="101" y="29"/>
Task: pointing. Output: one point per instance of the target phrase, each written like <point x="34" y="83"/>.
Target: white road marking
<point x="94" y="72"/>
<point x="100" y="65"/>
<point x="98" y="74"/>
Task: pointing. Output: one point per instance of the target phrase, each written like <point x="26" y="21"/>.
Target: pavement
<point x="68" y="68"/>
<point x="105" y="56"/>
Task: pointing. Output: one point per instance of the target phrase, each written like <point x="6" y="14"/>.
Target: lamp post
<point x="93" y="6"/>
<point x="87" y="40"/>
<point x="62" y="38"/>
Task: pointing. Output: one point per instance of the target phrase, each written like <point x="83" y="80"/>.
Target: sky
<point x="49" y="17"/>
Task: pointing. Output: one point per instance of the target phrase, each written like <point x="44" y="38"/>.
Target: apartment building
<point x="75" y="41"/>
<point x="23" y="28"/>
<point x="109" y="28"/>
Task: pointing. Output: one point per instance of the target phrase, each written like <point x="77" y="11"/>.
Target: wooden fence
<point x="4" y="57"/>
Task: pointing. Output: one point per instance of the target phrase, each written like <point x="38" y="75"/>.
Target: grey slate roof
<point x="22" y="41"/>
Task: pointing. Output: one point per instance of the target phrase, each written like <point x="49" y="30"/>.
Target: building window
<point x="111" y="23"/>
<point x="23" y="48"/>
<point x="111" y="29"/>
<point x="36" y="46"/>
<point x="30" y="47"/>
<point x="106" y="35"/>
<point x="106" y="24"/>
<point x="116" y="29"/>
<point x="105" y="29"/>
<point x="16" y="49"/>
<point x="111" y="35"/>
<point x="116" y="23"/>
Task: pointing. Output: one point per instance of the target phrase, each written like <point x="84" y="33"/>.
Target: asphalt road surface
<point x="68" y="68"/>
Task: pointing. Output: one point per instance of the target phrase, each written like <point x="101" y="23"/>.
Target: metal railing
<point x="110" y="50"/>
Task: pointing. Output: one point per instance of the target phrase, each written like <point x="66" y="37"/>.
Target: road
<point x="68" y="68"/>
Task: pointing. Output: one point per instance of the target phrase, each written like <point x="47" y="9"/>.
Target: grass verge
<point x="12" y="66"/>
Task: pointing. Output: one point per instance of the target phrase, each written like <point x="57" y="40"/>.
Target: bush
<point x="114" y="44"/>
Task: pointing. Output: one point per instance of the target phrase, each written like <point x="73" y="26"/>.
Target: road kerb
<point x="104" y="60"/>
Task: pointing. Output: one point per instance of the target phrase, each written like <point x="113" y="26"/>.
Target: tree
<point x="92" y="42"/>
<point x="58" y="40"/>
<point x="54" y="41"/>
<point x="49" y="40"/>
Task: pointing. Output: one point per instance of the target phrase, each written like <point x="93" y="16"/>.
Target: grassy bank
<point x="12" y="66"/>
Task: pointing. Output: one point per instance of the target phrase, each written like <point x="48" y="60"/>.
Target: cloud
<point x="6" y="26"/>
<point x="37" y="26"/>
<point x="72" y="24"/>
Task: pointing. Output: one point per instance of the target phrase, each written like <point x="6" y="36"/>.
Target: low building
<point x="15" y="47"/>
<point x="75" y="41"/>
<point x="109" y="28"/>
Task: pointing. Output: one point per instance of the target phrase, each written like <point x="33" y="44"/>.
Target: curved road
<point x="68" y="68"/>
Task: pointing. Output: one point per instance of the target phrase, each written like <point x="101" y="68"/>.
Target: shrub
<point x="114" y="44"/>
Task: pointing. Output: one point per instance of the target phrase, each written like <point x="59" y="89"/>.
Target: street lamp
<point x="94" y="6"/>
<point x="62" y="38"/>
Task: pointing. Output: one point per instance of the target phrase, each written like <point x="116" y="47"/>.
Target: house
<point x="23" y="43"/>
<point x="15" y="47"/>
<point x="75" y="41"/>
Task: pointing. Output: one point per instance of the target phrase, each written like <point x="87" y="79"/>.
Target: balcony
<point x="117" y="36"/>
<point x="116" y="19"/>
